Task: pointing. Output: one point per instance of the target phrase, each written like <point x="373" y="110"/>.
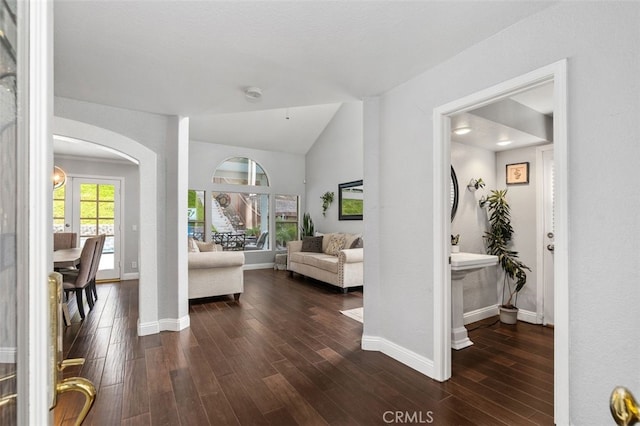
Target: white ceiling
<point x="195" y="58"/>
<point x="486" y="133"/>
<point x="292" y="130"/>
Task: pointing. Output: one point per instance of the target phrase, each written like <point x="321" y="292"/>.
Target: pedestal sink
<point x="461" y="265"/>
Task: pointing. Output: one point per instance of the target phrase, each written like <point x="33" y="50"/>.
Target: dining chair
<point x="65" y="240"/>
<point x="95" y="264"/>
<point x="81" y="281"/>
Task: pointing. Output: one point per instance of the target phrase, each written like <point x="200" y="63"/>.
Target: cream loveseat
<point x="335" y="264"/>
<point x="213" y="272"/>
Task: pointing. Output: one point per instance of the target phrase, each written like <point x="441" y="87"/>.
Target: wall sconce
<point x="59" y="177"/>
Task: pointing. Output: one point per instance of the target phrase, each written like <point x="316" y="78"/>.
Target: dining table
<point x="66" y="258"/>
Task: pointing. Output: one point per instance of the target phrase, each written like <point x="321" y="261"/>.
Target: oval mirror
<point x="454" y="193"/>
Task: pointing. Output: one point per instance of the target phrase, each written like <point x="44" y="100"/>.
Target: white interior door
<point x="548" y="238"/>
<point x="95" y="211"/>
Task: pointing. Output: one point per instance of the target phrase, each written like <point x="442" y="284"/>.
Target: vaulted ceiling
<point x="196" y="58"/>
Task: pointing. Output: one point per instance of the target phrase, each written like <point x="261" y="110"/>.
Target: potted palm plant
<point x="498" y="241"/>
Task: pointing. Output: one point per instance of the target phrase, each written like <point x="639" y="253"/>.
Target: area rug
<point x="355" y="314"/>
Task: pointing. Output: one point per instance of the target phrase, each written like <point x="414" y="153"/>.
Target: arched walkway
<point x="148" y="265"/>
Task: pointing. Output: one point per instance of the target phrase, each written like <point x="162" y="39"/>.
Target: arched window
<point x="241" y="171"/>
<point x="240" y="220"/>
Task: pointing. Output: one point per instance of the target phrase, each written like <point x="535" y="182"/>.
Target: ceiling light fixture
<point x="462" y="130"/>
<point x="253" y="94"/>
<point x="59" y="177"/>
<point x="503" y="143"/>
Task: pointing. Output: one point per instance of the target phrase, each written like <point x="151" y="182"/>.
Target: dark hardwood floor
<point x="286" y="356"/>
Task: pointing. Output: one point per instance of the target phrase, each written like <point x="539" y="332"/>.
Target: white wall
<point x="286" y="174"/>
<point x="522" y="199"/>
<point x="602" y="43"/>
<point x="131" y="200"/>
<point x="150" y="130"/>
<point x="336" y="157"/>
<point x="471" y="221"/>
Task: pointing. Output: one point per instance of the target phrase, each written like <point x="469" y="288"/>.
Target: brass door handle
<point x="72" y="384"/>
<point x="624" y="407"/>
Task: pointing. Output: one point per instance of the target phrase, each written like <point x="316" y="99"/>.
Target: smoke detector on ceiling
<point x="253" y="94"/>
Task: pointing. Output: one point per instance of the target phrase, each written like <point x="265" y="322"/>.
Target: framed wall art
<point x="517" y="173"/>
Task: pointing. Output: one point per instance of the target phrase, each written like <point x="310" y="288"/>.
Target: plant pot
<point x="508" y="315"/>
<point x="455" y="249"/>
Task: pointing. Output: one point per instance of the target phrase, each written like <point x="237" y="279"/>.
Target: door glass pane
<point x="106" y="210"/>
<point x="58" y="209"/>
<point x="286" y="220"/>
<point x="8" y="207"/>
<point x="97" y="217"/>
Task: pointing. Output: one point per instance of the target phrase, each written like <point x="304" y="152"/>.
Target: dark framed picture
<point x="517" y="173"/>
<point x="350" y="200"/>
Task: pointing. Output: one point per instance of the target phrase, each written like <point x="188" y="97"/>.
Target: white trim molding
<point x="8" y="355"/>
<point x="528" y="316"/>
<point x="556" y="72"/>
<point x="130" y="276"/>
<point x="147" y="162"/>
<point x="252" y="266"/>
<point x="147" y="328"/>
<point x="174" y="324"/>
<point x="480" y="314"/>
<point x="164" y="324"/>
<point x="407" y="357"/>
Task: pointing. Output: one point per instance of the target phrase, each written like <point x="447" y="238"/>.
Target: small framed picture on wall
<point x="517" y="173"/>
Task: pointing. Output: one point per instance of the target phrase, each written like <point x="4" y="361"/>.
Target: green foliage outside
<point x="194" y="201"/>
<point x="352" y="206"/>
<point x="286" y="231"/>
<point x="252" y="232"/>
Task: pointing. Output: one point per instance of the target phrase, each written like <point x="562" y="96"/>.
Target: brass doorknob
<point x="624" y="407"/>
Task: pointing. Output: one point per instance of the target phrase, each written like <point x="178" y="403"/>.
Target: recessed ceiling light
<point x="503" y="143"/>
<point x="462" y="130"/>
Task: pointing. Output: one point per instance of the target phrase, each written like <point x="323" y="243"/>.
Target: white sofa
<point x="344" y="270"/>
<point x="216" y="273"/>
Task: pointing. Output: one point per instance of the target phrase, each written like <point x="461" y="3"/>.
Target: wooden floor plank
<point x="285" y="355"/>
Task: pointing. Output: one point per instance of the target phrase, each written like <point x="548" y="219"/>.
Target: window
<point x="241" y="171"/>
<point x="286" y="210"/>
<point x="58" y="209"/>
<point x="195" y="205"/>
<point x="240" y="221"/>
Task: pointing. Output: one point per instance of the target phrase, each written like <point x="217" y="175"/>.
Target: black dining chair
<point x="82" y="281"/>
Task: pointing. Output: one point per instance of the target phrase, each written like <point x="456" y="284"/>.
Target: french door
<point x="92" y="207"/>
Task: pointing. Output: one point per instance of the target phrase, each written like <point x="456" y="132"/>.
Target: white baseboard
<point x="8" y="355"/>
<point x="480" y="314"/>
<point x="251" y="266"/>
<point x="489" y="311"/>
<point x="130" y="276"/>
<point x="399" y="353"/>
<point x="147" y="328"/>
<point x="528" y="316"/>
<point x="174" y="324"/>
<point x="164" y="324"/>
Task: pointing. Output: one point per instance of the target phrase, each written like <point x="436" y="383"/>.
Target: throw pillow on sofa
<point x="336" y="243"/>
<point x="357" y="243"/>
<point x="193" y="247"/>
<point x="312" y="244"/>
<point x="204" y="247"/>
